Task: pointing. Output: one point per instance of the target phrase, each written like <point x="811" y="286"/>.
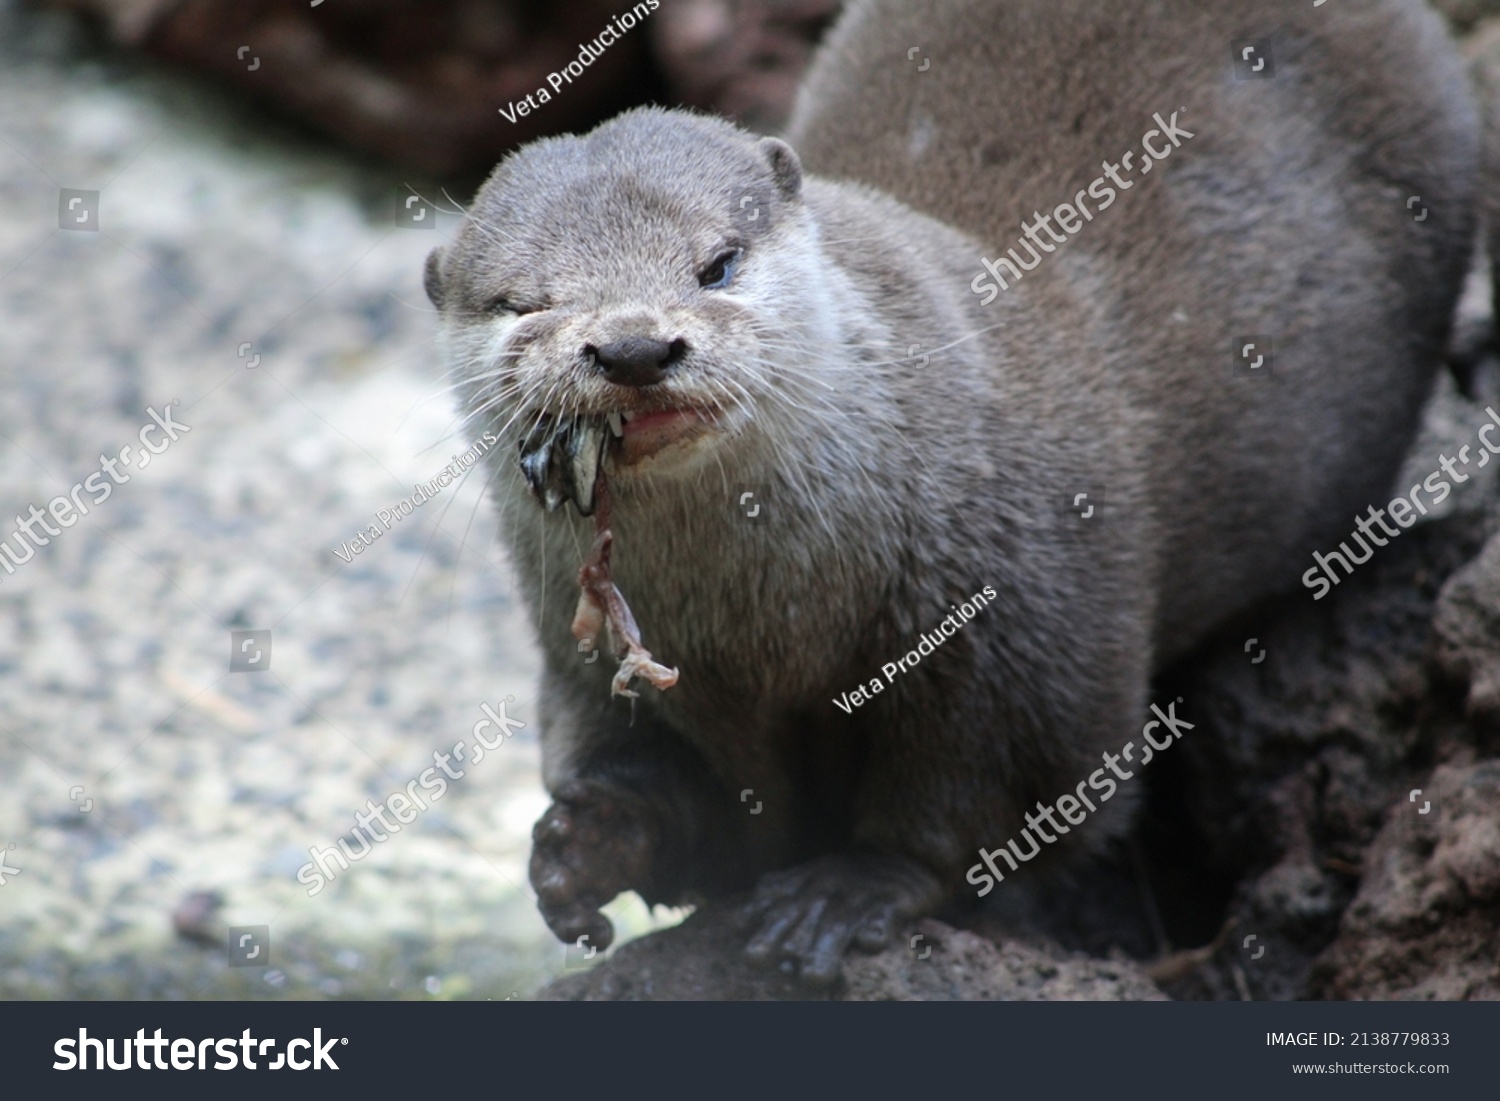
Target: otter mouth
<point x="562" y="457"/>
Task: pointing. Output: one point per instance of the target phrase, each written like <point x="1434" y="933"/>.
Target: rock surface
<point x="1426" y="921"/>
<point x="701" y="960"/>
<point x="1465" y="631"/>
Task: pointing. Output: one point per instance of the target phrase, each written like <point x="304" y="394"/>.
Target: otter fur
<point x="835" y="436"/>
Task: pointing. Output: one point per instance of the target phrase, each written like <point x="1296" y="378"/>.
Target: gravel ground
<point x="136" y="769"/>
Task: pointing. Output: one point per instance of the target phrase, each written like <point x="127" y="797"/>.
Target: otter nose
<point x="636" y="360"/>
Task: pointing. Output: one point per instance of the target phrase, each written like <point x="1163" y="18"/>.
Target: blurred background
<point x="222" y="208"/>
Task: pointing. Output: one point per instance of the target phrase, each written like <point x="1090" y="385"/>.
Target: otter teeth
<point x="583" y="450"/>
<point x="616" y="425"/>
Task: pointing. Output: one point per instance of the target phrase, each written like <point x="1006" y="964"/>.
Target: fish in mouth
<point x="562" y="453"/>
<point x="562" y="460"/>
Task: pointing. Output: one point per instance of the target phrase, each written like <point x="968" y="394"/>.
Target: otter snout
<point x="636" y="360"/>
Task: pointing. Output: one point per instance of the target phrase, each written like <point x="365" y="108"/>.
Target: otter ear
<point x="786" y="167"/>
<point x="432" y="277"/>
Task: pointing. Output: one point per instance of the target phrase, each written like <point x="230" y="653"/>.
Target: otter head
<point x="630" y="298"/>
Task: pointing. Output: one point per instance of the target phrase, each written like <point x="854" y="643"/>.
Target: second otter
<point x="825" y="431"/>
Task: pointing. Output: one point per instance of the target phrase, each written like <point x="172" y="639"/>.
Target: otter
<point x="1109" y="314"/>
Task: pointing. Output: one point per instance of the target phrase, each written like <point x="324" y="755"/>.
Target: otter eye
<point x="503" y="305"/>
<point x="721" y="271"/>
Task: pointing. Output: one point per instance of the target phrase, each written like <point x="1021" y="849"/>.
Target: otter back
<point x="1289" y="215"/>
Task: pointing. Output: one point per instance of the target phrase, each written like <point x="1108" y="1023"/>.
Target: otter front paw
<point x="595" y="841"/>
<point x="811" y="914"/>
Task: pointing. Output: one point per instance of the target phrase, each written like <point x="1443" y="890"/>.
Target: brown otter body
<point x="837" y="435"/>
